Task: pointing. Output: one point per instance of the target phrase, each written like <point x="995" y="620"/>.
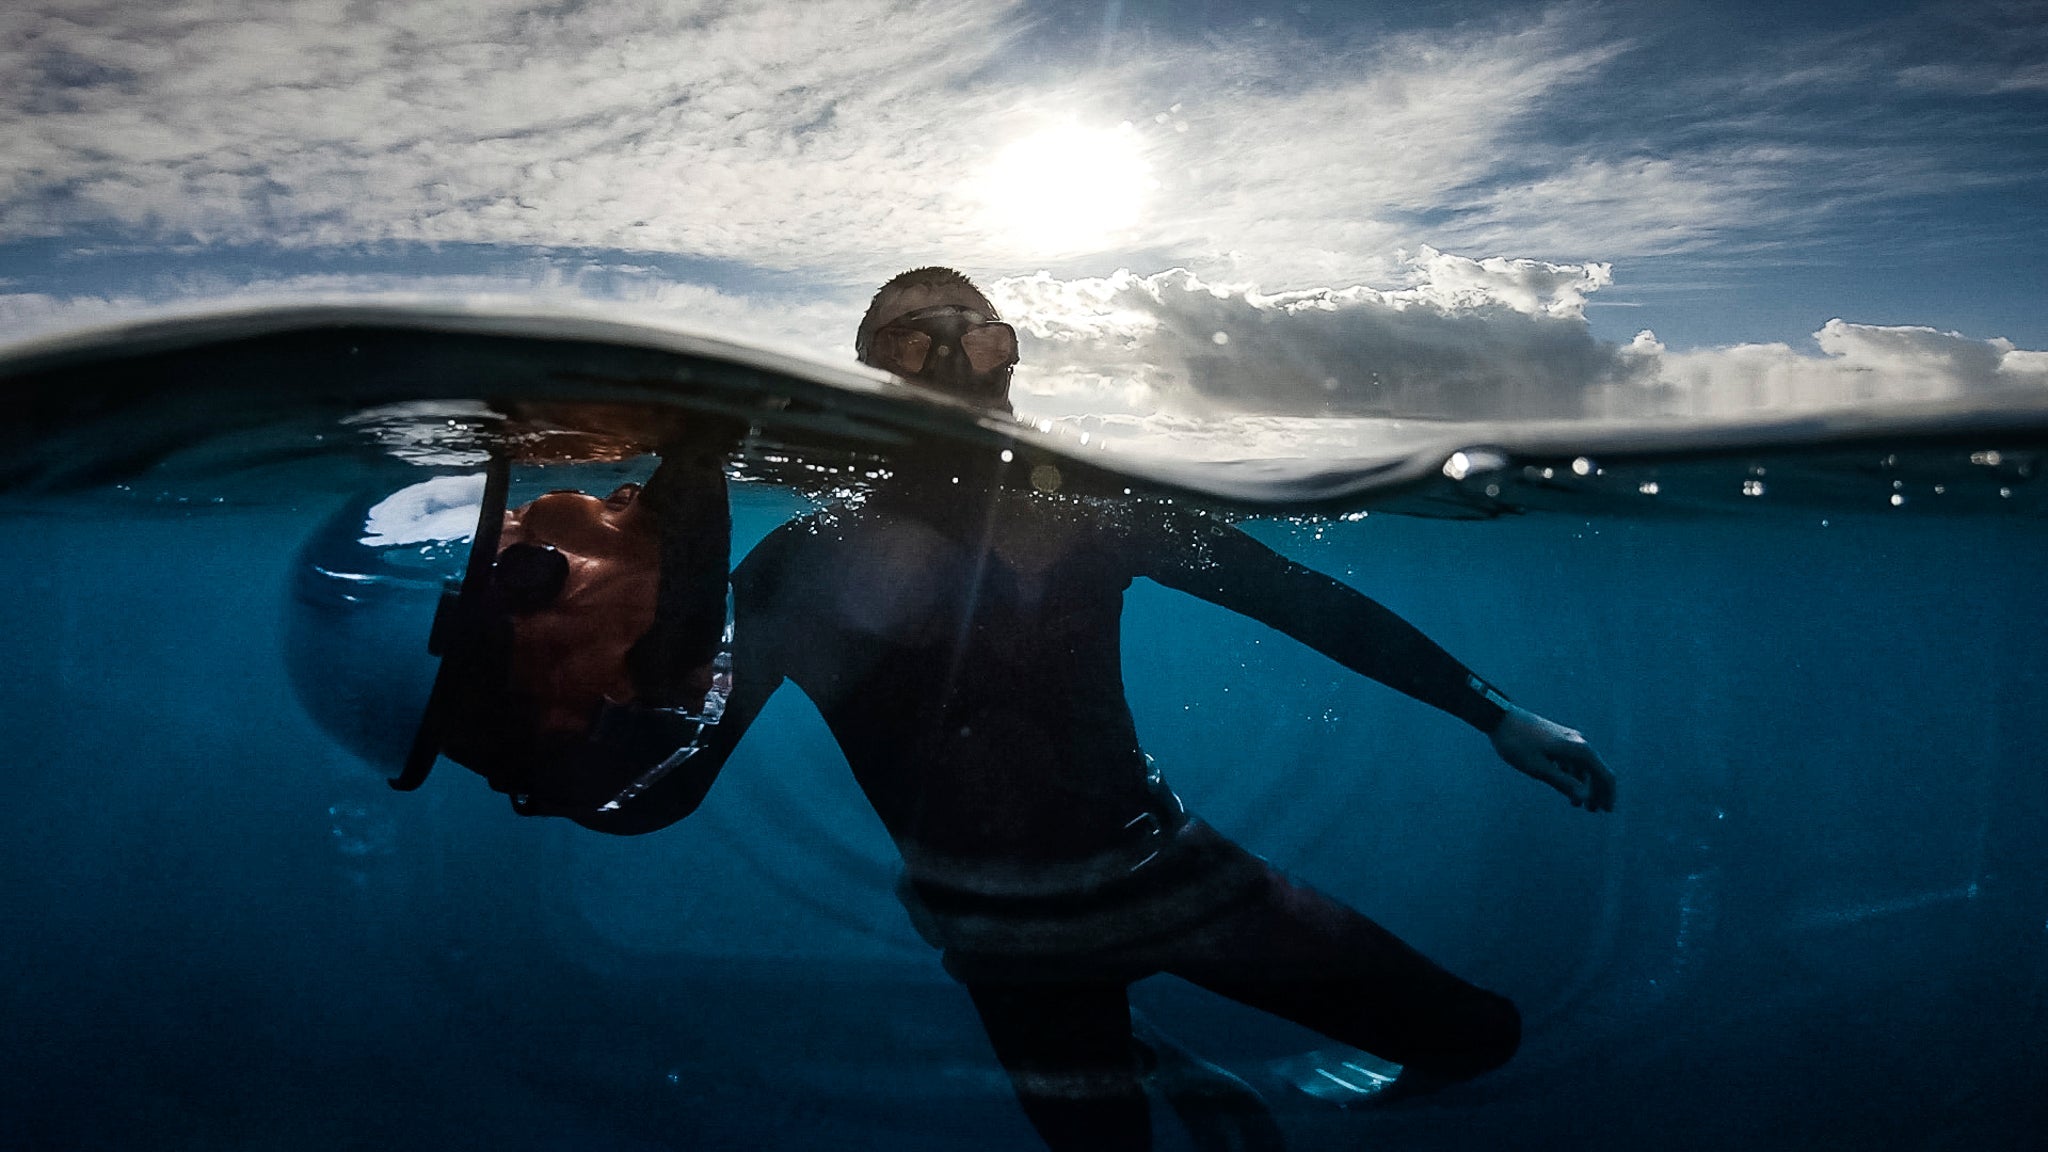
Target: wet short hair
<point x="930" y="279"/>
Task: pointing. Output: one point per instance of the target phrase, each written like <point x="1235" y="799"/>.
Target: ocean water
<point x="1818" y="916"/>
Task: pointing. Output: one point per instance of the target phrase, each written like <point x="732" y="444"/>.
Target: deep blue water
<point x="1816" y="919"/>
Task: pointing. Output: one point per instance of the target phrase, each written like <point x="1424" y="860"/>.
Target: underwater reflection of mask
<point x="358" y="616"/>
<point x="950" y="347"/>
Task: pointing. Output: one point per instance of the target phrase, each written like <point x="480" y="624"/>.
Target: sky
<point x="1193" y="211"/>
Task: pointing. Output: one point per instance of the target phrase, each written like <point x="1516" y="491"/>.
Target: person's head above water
<point x="934" y="328"/>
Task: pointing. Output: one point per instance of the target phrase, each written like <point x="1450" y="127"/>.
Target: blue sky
<point x="1718" y="176"/>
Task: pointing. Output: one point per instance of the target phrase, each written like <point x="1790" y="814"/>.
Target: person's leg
<point x="1302" y="956"/>
<point x="1067" y="1048"/>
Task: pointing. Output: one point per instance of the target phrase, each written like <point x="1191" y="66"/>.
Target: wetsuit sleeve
<point x="687" y="495"/>
<point x="756" y="673"/>
<point x="1222" y="565"/>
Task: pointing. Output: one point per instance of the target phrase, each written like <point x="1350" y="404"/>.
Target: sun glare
<point x="1068" y="189"/>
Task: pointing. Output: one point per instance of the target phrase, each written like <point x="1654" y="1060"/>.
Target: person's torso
<point x="969" y="663"/>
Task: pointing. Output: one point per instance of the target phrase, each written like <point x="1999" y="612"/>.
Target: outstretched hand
<point x="1556" y="755"/>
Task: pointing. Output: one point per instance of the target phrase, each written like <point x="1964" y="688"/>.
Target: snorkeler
<point x="960" y="635"/>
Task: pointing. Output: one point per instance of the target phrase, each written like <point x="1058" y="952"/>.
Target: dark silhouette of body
<point x="960" y="634"/>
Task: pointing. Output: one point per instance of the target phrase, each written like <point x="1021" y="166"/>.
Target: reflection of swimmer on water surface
<point x="961" y="638"/>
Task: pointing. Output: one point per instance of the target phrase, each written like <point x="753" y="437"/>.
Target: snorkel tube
<point x="457" y="620"/>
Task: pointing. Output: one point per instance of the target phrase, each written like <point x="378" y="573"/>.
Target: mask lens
<point x="989" y="346"/>
<point x="529" y="576"/>
<point x="900" y="350"/>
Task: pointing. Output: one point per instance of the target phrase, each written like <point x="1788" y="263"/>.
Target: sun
<point x="1069" y="189"/>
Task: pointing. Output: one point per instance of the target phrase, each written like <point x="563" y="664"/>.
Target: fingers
<point x="1558" y="756"/>
<point x="1604" y="787"/>
<point x="1594" y="785"/>
<point x="1558" y="775"/>
<point x="1575" y="790"/>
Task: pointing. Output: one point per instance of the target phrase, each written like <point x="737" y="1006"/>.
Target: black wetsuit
<point x="962" y="641"/>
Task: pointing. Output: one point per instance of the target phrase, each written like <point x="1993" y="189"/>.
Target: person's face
<point x="939" y="341"/>
<point x="571" y="654"/>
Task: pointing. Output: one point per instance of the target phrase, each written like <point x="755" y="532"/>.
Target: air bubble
<point x="1462" y="464"/>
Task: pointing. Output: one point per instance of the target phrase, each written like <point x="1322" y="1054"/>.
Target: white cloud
<point x="779" y="135"/>
<point x="818" y="325"/>
<point x="1136" y="362"/>
<point x="1304" y="165"/>
<point x="849" y="138"/>
<point x="1463" y="339"/>
<point x="845" y="139"/>
<point x="439" y="509"/>
<point x="1634" y="204"/>
<point x="1861" y="366"/>
<point x="1531" y="287"/>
